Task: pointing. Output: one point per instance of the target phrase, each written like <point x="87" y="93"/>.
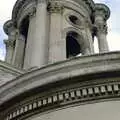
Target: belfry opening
<point x="73" y="48"/>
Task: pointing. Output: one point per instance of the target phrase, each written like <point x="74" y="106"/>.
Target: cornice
<point x="22" y="9"/>
<point x="70" y="68"/>
<point x="100" y="28"/>
<point x="21" y="4"/>
<point x="89" y="72"/>
<point x="60" y="99"/>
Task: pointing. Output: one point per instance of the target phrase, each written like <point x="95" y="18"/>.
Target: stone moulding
<point x="10" y="69"/>
<point x="80" y="80"/>
<point x="21" y="4"/>
<point x="68" y="97"/>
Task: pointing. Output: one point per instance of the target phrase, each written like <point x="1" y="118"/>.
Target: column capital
<point x="32" y="13"/>
<point x="102" y="10"/>
<point x="55" y="6"/>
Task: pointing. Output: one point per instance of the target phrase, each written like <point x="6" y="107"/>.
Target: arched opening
<point x="73" y="48"/>
<point x="74" y="20"/>
<point x="24" y="27"/>
<point x="24" y="32"/>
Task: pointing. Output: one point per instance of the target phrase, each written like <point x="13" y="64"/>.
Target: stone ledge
<point x="77" y="67"/>
<point x="96" y="78"/>
<point x="59" y="99"/>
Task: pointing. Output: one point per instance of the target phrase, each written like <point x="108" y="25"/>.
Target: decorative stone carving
<point x="85" y="94"/>
<point x="42" y="1"/>
<point x="76" y="81"/>
<point x="101" y="29"/>
<point x="10" y="30"/>
<point x="32" y="13"/>
<point x="55" y="6"/>
<point x="8" y="27"/>
<point x="79" y="22"/>
<point x="9" y="43"/>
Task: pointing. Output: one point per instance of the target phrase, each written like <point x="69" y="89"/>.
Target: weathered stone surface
<point x="7" y="73"/>
<point x="46" y="37"/>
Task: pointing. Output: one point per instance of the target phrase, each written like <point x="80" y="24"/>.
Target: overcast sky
<point x="113" y="23"/>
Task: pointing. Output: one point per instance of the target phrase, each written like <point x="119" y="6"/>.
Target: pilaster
<point x="57" y="45"/>
<point x="30" y="39"/>
<point x="18" y="56"/>
<point x="88" y="36"/>
<point x="39" y="28"/>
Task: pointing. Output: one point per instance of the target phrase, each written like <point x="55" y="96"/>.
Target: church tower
<point x="42" y="32"/>
<point x="51" y="71"/>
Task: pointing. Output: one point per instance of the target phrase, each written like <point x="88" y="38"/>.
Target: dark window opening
<point x="24" y="27"/>
<point x="72" y="46"/>
<point x="24" y="31"/>
<point x="74" y="20"/>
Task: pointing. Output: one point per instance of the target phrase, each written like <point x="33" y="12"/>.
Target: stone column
<point x="40" y="46"/>
<point x="10" y="30"/>
<point x="102" y="39"/>
<point x="57" y="45"/>
<point x="9" y="50"/>
<point x="30" y="39"/>
<point x="18" y="56"/>
<point x="102" y="13"/>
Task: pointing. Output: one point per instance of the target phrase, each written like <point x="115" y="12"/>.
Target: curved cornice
<point x="22" y="3"/>
<point x="63" y="72"/>
<point x="109" y="91"/>
<point x="79" y="66"/>
<point x="79" y="80"/>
